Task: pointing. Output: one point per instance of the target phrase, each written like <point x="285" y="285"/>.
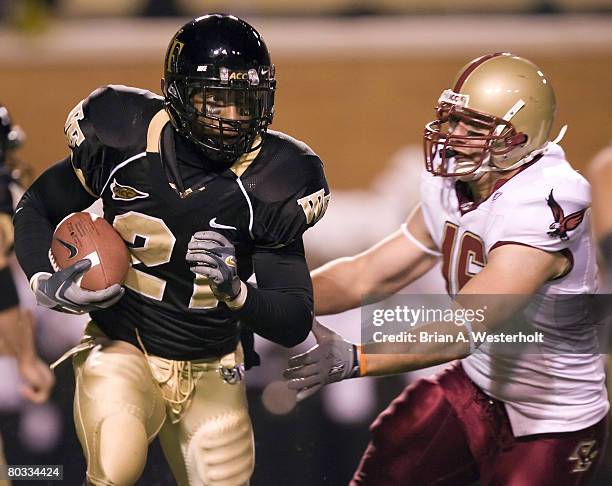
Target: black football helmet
<point x="11" y="136"/>
<point x="219" y="85"/>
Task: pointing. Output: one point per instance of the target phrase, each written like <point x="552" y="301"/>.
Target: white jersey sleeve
<point x="431" y="189"/>
<point x="545" y="216"/>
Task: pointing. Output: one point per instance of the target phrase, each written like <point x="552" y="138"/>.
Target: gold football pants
<point x="124" y="398"/>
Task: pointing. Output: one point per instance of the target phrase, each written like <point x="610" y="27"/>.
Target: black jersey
<point x="8" y="291"/>
<point x="122" y="146"/>
<point x="6" y="211"/>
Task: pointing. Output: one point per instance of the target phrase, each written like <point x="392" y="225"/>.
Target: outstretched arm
<point x="382" y="270"/>
<point x="498" y="278"/>
<point x="328" y="362"/>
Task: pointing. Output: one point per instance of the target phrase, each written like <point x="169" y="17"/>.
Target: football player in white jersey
<point x="509" y="217"/>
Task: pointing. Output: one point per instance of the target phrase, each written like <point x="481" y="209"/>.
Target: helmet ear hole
<point x="517" y="139"/>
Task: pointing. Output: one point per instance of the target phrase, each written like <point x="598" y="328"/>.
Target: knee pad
<point x="120" y="451"/>
<point x="221" y="451"/>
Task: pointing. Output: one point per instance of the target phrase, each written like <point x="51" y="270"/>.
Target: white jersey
<point x="544" y="206"/>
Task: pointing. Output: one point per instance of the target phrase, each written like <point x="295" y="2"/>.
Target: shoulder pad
<point x="291" y="193"/>
<point x="549" y="218"/>
<point x="106" y="128"/>
<point x="117" y="116"/>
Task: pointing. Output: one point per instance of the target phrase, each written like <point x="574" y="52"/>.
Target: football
<point x="86" y="235"/>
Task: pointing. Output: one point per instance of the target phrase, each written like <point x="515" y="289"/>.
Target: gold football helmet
<point x="508" y="107"/>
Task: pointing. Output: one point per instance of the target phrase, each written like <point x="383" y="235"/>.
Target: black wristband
<point x="8" y="291"/>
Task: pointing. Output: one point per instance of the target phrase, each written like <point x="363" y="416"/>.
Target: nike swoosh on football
<point x="213" y="224"/>
<point x="71" y="248"/>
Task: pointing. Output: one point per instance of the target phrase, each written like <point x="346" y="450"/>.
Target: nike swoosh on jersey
<point x="71" y="248"/>
<point x="213" y="224"/>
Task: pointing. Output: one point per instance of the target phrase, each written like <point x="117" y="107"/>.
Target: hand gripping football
<point x="86" y="235"/>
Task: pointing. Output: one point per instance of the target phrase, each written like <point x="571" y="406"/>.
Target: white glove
<point x="332" y="359"/>
<point x="60" y="291"/>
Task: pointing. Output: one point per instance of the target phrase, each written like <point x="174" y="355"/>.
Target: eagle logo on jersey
<point x="126" y="193"/>
<point x="562" y="223"/>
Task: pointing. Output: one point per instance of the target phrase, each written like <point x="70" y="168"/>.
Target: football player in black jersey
<point x="204" y="195"/>
<point x="16" y="336"/>
<point x="16" y="325"/>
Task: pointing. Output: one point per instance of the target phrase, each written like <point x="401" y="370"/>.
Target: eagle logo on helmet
<point x="562" y="223"/>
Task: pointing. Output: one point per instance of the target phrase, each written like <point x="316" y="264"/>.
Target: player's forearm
<point x="280" y="308"/>
<point x="281" y="317"/>
<point x="8" y="325"/>
<point x="441" y="341"/>
<point x="421" y="350"/>
<point x="54" y="195"/>
<point x="382" y="270"/>
<point x="337" y="286"/>
<point x="33" y="234"/>
<point x="16" y="339"/>
<point x="393" y="364"/>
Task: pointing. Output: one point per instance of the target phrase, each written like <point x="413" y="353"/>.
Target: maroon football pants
<point x="446" y="431"/>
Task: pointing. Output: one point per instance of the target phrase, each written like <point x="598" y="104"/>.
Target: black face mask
<point x="224" y="122"/>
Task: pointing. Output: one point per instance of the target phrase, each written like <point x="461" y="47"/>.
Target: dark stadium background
<point x="358" y="79"/>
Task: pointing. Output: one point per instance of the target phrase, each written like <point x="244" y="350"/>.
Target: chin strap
<point x="560" y="135"/>
<point x="525" y="160"/>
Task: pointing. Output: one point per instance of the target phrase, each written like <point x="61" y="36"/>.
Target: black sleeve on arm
<point x="280" y="308"/>
<point x="55" y="194"/>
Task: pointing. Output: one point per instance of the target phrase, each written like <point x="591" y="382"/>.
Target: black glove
<point x="60" y="291"/>
<point x="212" y="256"/>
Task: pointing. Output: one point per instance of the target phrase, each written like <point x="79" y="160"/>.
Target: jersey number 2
<point x="151" y="243"/>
